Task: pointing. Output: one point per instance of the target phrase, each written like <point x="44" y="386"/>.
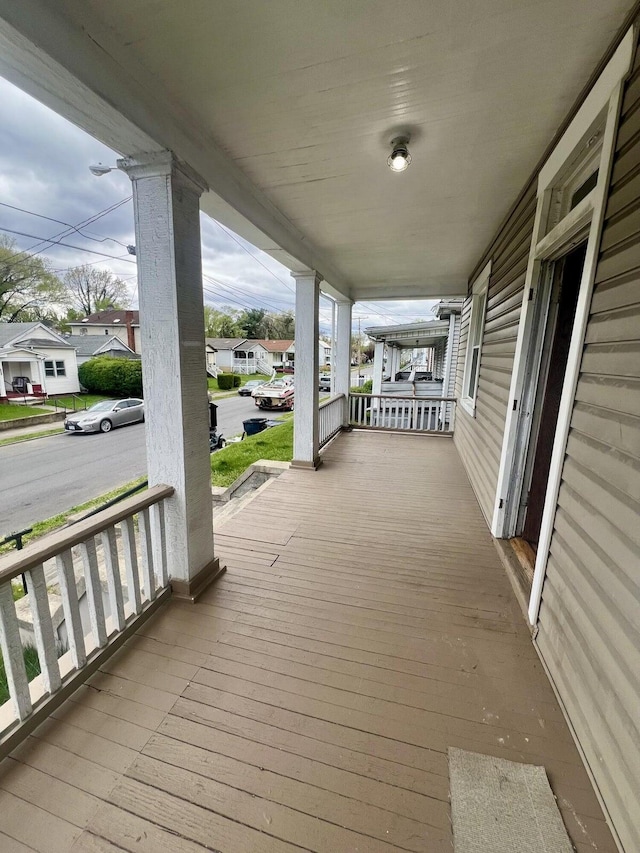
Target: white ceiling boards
<point x="287" y="108"/>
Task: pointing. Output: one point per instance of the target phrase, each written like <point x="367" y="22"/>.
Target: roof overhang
<point x="287" y="111"/>
<point x="20" y="354"/>
<point x="411" y="335"/>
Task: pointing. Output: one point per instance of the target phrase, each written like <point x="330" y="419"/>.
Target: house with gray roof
<point x="91" y="346"/>
<point x="35" y="361"/>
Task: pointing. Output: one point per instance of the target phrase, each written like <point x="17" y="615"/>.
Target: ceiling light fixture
<point x="399" y="158"/>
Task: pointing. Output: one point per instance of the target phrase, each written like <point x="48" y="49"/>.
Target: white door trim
<point x="605" y="95"/>
<point x="574" y="359"/>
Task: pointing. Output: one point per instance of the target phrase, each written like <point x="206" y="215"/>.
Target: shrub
<point x="365" y="388"/>
<point x="117" y="377"/>
<point x="226" y="381"/>
<point x="237" y="380"/>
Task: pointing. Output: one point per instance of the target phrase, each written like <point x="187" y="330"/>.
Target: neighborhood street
<point x="44" y="477"/>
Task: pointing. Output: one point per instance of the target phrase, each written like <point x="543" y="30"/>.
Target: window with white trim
<point x="54" y="368"/>
<point x="474" y="341"/>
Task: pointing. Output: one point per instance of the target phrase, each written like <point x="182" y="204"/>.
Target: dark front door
<point x="566" y="288"/>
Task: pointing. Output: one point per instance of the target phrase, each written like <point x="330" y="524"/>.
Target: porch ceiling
<point x="287" y="109"/>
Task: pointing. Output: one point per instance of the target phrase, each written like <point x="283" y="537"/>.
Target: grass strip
<point x="43" y="433"/>
<point x="12" y="412"/>
<point x="275" y="443"/>
<point x="41" y="528"/>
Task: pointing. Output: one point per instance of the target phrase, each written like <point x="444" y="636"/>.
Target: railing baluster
<point x="13" y="655"/>
<point x="415" y="413"/>
<point x="71" y="607"/>
<point x="158" y="540"/>
<point x="94" y="592"/>
<point x="128" y="532"/>
<point x="114" y="584"/>
<point x="146" y="553"/>
<point x="43" y="628"/>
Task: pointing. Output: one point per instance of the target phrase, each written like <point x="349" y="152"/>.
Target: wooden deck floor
<point x="307" y="702"/>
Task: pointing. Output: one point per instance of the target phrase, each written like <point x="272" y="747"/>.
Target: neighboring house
<point x="244" y="355"/>
<point x="437" y="339"/>
<point x="224" y="349"/>
<point x="35" y="360"/>
<point x="324" y="354"/>
<point x="278" y="353"/>
<point x="210" y="358"/>
<point x="123" y="324"/>
<point x="90" y="346"/>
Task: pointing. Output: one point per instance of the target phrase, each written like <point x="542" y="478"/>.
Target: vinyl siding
<point x="479" y="438"/>
<point x="589" y="623"/>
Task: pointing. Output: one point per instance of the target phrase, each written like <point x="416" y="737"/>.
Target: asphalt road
<point x="41" y="478"/>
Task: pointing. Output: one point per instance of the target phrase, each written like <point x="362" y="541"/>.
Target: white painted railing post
<point x="306" y="415"/>
<point x="11" y="647"/>
<point x="167" y="216"/>
<point x="43" y="628"/>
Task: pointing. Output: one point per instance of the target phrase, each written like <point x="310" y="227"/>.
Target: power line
<point x="60" y="243"/>
<point x="97" y="239"/>
<point x="251" y="255"/>
<point x="89" y="221"/>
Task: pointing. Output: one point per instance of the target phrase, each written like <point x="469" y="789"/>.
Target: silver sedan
<point x="103" y="416"/>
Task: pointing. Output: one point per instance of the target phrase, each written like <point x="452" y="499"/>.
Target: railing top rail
<point x="17" y="562"/>
<point x="331" y="400"/>
<point x="401" y="397"/>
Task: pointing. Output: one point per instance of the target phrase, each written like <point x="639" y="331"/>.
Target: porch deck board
<point x="307" y="702"/>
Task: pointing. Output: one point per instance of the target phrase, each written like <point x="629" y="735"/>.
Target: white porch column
<point x="166" y="197"/>
<point x="306" y="419"/>
<point x="378" y="367"/>
<point x="392" y="362"/>
<point x="342" y="354"/>
<point x="448" y="365"/>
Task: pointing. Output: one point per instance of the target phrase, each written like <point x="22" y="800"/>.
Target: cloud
<point x="44" y="162"/>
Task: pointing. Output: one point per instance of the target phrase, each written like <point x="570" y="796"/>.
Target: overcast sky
<point x="44" y="164"/>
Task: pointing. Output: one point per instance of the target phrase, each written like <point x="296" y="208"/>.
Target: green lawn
<point x="43" y="433"/>
<point x="81" y="401"/>
<point x="11" y="412"/>
<point x="275" y="443"/>
<point x="212" y="384"/>
<point x="32" y="665"/>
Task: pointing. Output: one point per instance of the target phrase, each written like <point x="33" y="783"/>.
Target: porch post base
<point x="192" y="589"/>
<point x="305" y="465"/>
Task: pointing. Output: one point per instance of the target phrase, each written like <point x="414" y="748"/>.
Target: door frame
<point x="598" y="116"/>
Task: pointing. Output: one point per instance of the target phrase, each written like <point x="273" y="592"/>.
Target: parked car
<point x="248" y="389"/>
<point x="324" y="383"/>
<point x="103" y="416"/>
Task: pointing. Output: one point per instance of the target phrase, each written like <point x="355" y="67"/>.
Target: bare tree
<point x="90" y="289"/>
<point x="28" y="288"/>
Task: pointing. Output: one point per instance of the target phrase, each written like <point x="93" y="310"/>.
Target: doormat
<point x="503" y="807"/>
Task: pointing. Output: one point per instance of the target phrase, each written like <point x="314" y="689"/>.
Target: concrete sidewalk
<point x="19" y="432"/>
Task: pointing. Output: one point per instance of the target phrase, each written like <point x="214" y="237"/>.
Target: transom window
<point x="54" y="368"/>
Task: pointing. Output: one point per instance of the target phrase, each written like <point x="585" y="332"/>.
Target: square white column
<point x="342" y="355"/>
<point x="306" y="426"/>
<point x="378" y="367"/>
<point x="166" y="198"/>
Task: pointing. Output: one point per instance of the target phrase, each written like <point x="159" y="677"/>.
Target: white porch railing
<point x="409" y="414"/>
<point x="331" y="418"/>
<point x="89" y="586"/>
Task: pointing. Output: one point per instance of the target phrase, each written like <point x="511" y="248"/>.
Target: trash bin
<point x="254" y="425"/>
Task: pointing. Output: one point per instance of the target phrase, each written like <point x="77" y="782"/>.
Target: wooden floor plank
<point x="308" y="700"/>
